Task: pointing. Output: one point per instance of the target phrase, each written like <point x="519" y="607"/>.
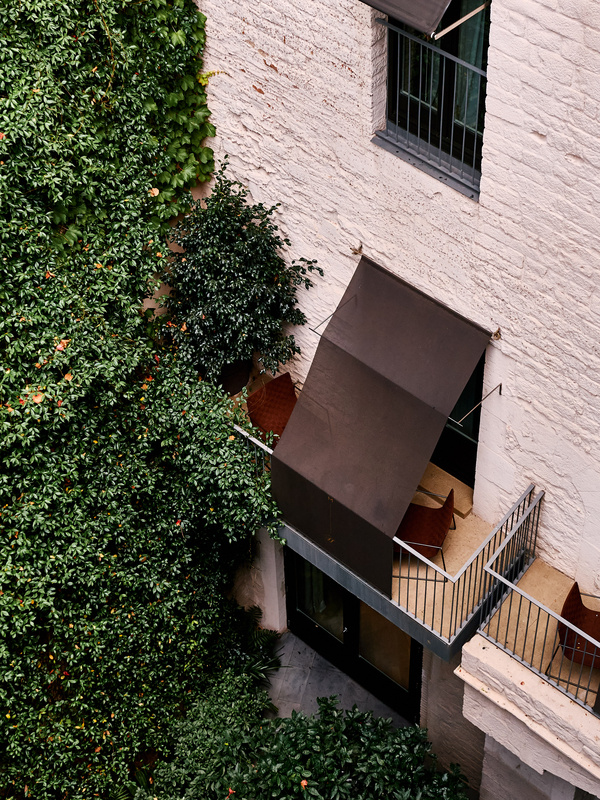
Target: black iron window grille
<point x="436" y="96"/>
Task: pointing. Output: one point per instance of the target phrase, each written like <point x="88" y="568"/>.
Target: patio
<point x="305" y="675"/>
<point x="446" y="595"/>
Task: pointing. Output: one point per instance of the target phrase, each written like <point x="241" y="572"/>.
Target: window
<point x="456" y="450"/>
<point x="436" y="94"/>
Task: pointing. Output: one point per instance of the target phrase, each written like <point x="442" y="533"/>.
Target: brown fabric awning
<point x="424" y="15"/>
<point x="388" y="371"/>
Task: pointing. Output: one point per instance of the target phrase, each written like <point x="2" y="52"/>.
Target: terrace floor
<point x="421" y="590"/>
<point x="534" y="638"/>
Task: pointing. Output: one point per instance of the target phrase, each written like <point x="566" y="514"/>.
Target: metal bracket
<point x="314" y="330"/>
<point x="460" y="21"/>
<point x="462" y="419"/>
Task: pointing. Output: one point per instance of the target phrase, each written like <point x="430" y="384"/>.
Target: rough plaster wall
<point x="262" y="583"/>
<point x="506" y="776"/>
<point x="295" y="111"/>
<point x="454" y="739"/>
<point x="540" y="726"/>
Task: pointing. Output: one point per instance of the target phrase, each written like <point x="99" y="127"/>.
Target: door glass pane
<point x="321" y="599"/>
<point x="384" y="646"/>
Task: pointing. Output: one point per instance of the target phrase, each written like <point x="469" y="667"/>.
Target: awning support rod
<point x="460" y="21"/>
<point x="314" y="330"/>
<point x="462" y="419"/>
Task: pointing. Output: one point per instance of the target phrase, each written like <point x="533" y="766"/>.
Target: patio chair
<point x="425" y="529"/>
<point x="575" y="647"/>
<point x="271" y="406"/>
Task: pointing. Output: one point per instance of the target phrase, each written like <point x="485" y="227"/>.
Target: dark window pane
<point x="384" y="646"/>
<point x="321" y="599"/>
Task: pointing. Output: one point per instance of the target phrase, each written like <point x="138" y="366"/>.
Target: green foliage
<point x="234" y="291"/>
<point x="125" y="500"/>
<point x="100" y="103"/>
<point x="225" y="747"/>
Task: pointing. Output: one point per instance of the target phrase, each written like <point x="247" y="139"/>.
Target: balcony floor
<point x="536" y="642"/>
<point x="426" y="595"/>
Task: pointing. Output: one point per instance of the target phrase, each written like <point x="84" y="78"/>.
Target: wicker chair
<point x="271" y="406"/>
<point x="425" y="529"/>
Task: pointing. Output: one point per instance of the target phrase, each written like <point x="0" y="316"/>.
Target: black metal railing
<point x="435" y="106"/>
<point x="532" y="633"/>
<point x="261" y="453"/>
<point x="539" y="638"/>
<point x="447" y="603"/>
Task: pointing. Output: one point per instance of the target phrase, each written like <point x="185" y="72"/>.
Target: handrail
<point x="530" y="632"/>
<point x="424" y="559"/>
<point x="486" y="541"/>
<point x="252" y="439"/>
<point x="457" y="600"/>
<point x="504" y="519"/>
<point x="510" y="535"/>
<point x="514" y="588"/>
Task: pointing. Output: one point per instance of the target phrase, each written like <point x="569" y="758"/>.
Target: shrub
<point x="225" y="749"/>
<point x="116" y="559"/>
<point x="234" y="293"/>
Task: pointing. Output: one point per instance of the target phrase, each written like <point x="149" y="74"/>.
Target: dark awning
<point x="388" y="371"/>
<point x="424" y="15"/>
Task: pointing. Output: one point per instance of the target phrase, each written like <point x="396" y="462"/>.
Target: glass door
<point x="384" y="647"/>
<point x="354" y="637"/>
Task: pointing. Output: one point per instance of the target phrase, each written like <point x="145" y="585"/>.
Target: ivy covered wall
<point x="122" y="490"/>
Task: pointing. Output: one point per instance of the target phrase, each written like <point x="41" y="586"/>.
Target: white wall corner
<point x="530" y="718"/>
<point x="505" y="775"/>
<point x="262" y="583"/>
<point x="378" y="62"/>
<point x="273" y="578"/>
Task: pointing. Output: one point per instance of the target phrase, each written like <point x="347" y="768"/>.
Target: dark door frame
<point x="345" y="654"/>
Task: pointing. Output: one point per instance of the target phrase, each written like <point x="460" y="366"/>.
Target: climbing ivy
<point x="124" y="497"/>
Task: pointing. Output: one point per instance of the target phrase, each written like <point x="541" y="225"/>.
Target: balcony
<point x="446" y="597"/>
<point x="491" y="580"/>
<point x="438" y="602"/>
<point x="522" y="616"/>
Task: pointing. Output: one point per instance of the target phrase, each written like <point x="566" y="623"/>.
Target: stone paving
<point x="305" y="675"/>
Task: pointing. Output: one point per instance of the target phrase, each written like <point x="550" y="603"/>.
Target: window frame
<point x="419" y="71"/>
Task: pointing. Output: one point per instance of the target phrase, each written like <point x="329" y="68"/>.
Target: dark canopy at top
<point x="424" y="15"/>
<point x="386" y="375"/>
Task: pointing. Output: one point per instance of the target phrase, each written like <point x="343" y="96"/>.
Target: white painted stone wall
<point x="262" y="583"/>
<point x="542" y="729"/>
<point x="506" y="776"/>
<point x="295" y="108"/>
<point x="455" y="740"/>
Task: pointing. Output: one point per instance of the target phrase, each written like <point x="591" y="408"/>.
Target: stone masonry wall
<point x="523" y="714"/>
<point x="454" y="738"/>
<point x="301" y="93"/>
<point x="505" y="775"/>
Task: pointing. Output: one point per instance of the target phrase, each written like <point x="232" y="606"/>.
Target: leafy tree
<point x="234" y="292"/>
<point x="225" y="748"/>
<point x="124" y="497"/>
